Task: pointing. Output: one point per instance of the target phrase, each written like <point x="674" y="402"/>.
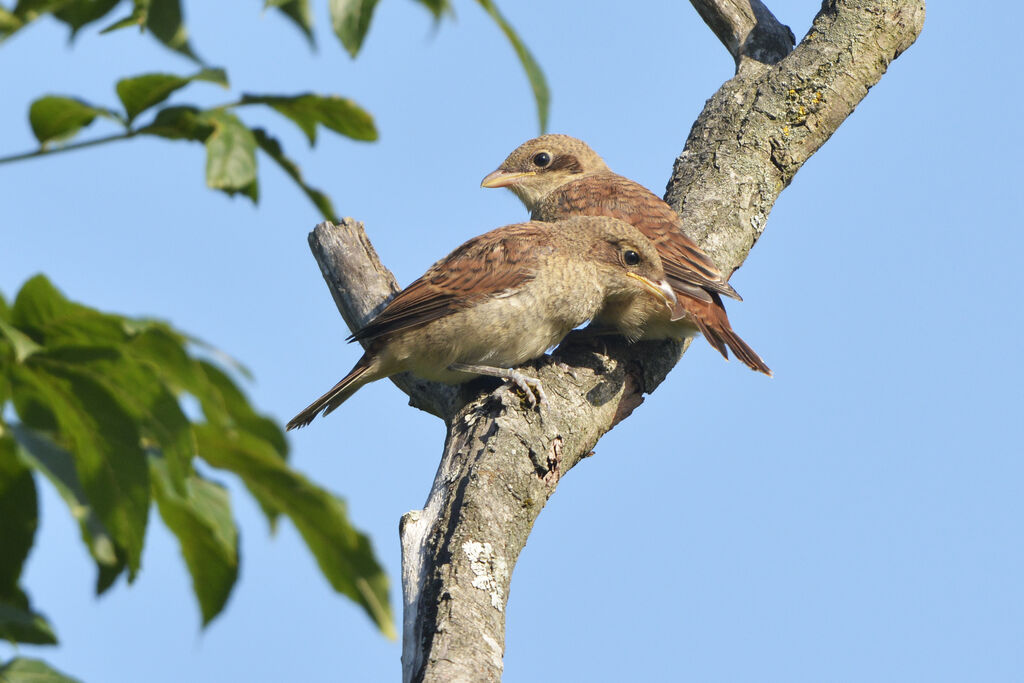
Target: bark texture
<point x="501" y="460"/>
<point x="747" y="29"/>
<point x="756" y="132"/>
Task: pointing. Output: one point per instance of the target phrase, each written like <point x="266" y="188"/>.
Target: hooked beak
<point x="661" y="289"/>
<point x="501" y="178"/>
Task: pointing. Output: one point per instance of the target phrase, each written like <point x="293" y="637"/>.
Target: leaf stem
<point x="44" y="151"/>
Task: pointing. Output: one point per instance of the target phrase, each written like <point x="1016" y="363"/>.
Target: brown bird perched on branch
<point x="504" y="298"/>
<point x="557" y="176"/>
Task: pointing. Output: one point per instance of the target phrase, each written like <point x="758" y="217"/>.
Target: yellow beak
<point x="662" y="290"/>
<point x="501" y="178"/>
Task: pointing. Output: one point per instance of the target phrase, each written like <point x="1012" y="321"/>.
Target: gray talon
<point x="528" y="385"/>
<point x="531" y="386"/>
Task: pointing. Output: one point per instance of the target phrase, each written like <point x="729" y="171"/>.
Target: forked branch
<point x="502" y="461"/>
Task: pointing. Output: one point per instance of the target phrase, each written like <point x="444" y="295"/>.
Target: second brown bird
<point x="557" y="176"/>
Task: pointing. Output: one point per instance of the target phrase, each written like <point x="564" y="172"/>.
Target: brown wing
<point x="609" y="194"/>
<point x="487" y="265"/>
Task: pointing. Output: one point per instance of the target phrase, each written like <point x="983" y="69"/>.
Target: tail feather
<point x="714" y="325"/>
<point x="338" y="394"/>
<point x="712" y="337"/>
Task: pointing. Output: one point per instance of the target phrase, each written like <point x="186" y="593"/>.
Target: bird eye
<point x="541" y="159"/>
<point x="630" y="257"/>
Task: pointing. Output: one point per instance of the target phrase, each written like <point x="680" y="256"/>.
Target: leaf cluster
<point x="102" y="405"/>
<point x="120" y="414"/>
<point x="230" y="144"/>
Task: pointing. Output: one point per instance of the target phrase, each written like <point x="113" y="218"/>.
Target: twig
<point x="47" y="151"/>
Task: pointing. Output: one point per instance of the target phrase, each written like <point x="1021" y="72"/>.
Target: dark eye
<point x="541" y="159"/>
<point x="630" y="257"/>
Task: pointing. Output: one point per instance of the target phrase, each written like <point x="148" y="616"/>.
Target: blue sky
<point x="857" y="517"/>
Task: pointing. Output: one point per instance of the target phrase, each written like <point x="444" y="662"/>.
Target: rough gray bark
<point x="747" y="29"/>
<point x="501" y="460"/>
<point x="756" y="132"/>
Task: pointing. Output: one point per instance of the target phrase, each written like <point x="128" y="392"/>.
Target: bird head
<point x="628" y="265"/>
<point x="542" y="165"/>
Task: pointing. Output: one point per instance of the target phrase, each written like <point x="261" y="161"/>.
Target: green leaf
<point x="49" y="318"/>
<point x="24" y="13"/>
<point x="165" y="21"/>
<point x="164" y="352"/>
<point x="273" y="149"/>
<point x="223" y="403"/>
<point x="24" y="670"/>
<point x="93" y="343"/>
<point x="201" y="520"/>
<point x="538" y="83"/>
<point x="139" y="93"/>
<point x="240" y="414"/>
<point x="30" y="10"/>
<point x="140" y="11"/>
<point x="218" y="354"/>
<point x="57" y="118"/>
<point x="9" y="23"/>
<point x="19" y="624"/>
<point x="81" y="12"/>
<point x="22" y="343"/>
<point x="103" y="440"/>
<point x="19" y="515"/>
<point x="436" y="7"/>
<point x="344" y="555"/>
<point x="141" y="394"/>
<point x="231" y="155"/>
<point x="339" y="114"/>
<point x="99" y="393"/>
<point x="351" y="20"/>
<point x="179" y="123"/>
<point x="42" y="454"/>
<point x="5" y="384"/>
<point x="299" y="12"/>
<point x="225" y="407"/>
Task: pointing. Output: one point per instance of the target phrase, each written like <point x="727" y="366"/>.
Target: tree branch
<point x="501" y="460"/>
<point x="747" y="29"/>
<point x="756" y="132"/>
<point x="47" y="151"/>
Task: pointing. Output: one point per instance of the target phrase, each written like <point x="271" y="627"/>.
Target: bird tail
<point x="713" y="322"/>
<point x="338" y="394"/>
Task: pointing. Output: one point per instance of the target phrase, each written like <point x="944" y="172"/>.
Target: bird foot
<point x="530" y="386"/>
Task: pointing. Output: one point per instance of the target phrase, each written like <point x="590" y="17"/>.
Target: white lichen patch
<point x="486" y="566"/>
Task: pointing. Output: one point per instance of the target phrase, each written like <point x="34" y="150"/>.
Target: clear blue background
<point x="858" y="518"/>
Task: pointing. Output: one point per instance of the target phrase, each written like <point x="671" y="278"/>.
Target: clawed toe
<point x="531" y="386"/>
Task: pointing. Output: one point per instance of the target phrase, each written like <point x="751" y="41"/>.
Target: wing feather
<point x="492" y="264"/>
<point x="609" y="194"/>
